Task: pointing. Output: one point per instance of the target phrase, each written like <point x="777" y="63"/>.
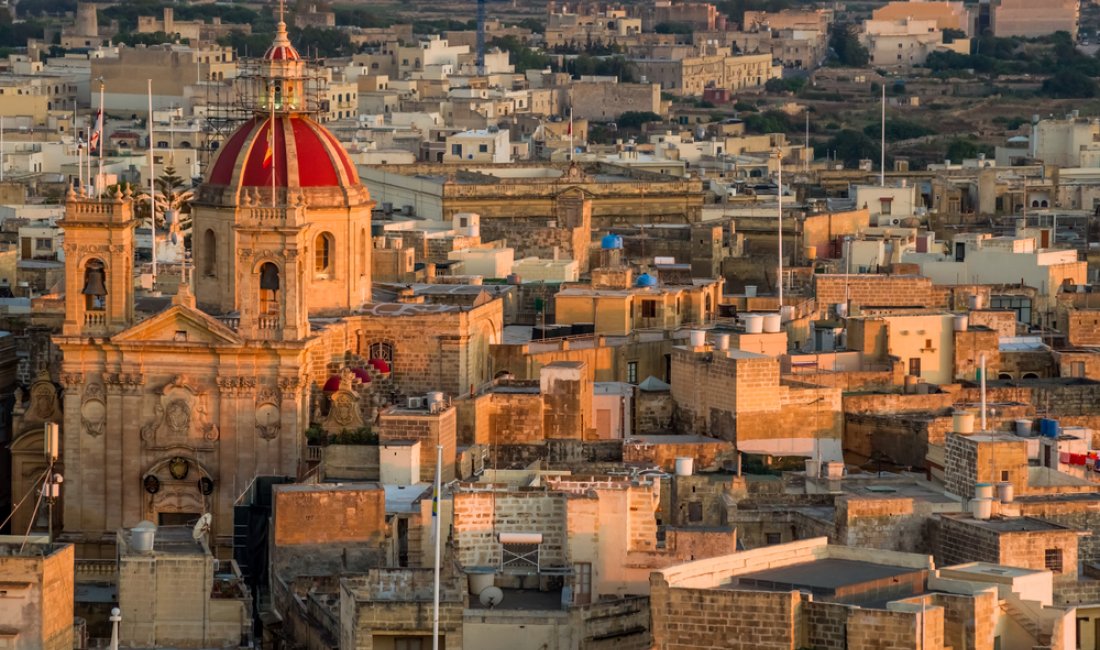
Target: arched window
<point x="209" y="253"/>
<point x="95" y="286"/>
<point x="322" y="253"/>
<point x="381" y="350"/>
<point x="269" y="288"/>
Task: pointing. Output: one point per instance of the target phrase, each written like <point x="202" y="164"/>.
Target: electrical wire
<point x="34" y="513"/>
<point x="35" y="484"/>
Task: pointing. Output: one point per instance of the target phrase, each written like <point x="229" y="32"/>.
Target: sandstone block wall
<point x="431" y="429"/>
<point x="872" y="291"/>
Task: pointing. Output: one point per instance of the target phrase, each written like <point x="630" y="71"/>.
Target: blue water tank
<point x="1048" y="428"/>
<point x="645" y="280"/>
<point x="611" y="241"/>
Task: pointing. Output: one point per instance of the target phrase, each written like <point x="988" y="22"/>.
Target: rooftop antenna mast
<point x="882" y="143"/>
<point x="481" y="37"/>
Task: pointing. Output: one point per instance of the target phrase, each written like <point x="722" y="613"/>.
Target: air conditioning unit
<point x="415" y="403"/>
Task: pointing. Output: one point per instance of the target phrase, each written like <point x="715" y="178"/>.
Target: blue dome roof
<point x="645" y="280"/>
<point x="611" y="241"/>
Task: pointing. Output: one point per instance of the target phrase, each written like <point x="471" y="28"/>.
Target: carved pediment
<point x="343" y="410"/>
<point x="43" y="404"/>
<point x="181" y="418"/>
<point x="180" y="324"/>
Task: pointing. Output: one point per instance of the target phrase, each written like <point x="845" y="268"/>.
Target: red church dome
<point x="305" y="154"/>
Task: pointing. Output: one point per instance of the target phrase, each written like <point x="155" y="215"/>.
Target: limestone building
<point x="171" y="417"/>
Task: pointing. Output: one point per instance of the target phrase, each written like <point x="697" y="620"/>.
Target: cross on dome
<point x="281" y="49"/>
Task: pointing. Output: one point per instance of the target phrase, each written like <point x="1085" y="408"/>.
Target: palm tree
<point x="173" y="196"/>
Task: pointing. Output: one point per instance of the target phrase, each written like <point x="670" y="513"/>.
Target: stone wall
<point x="431" y="429"/>
<point x="40" y="616"/>
<point x="1083" y="327"/>
<point x="709" y="618"/>
<point x="1071" y="513"/>
<point x="896" y="524"/>
<point x="872" y="290"/>
<point x="664" y="452"/>
<point x="881" y="629"/>
<point x="480" y="517"/>
<point x="392" y="602"/>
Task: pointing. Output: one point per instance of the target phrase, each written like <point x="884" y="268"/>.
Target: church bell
<point x="94" y="282"/>
<point x="269" y="277"/>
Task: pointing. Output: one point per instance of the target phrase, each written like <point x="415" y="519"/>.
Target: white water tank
<point x="842" y="309"/>
<point x="813" y="468"/>
<point x="685" y="466"/>
<point x="142" y="536"/>
<point x="698" y="338"/>
<point x="772" y="323"/>
<point x="750" y="291"/>
<point x="754" y="323"/>
<point x="833" y="469"/>
<point x="1006" y="492"/>
<point x="981" y="508"/>
<point x="721" y="341"/>
<point x="1023" y="428"/>
<point x="962" y="323"/>
<point x="983" y="491"/>
<point x="435" y="401"/>
<point x="963" y="423"/>
<point x="976" y="302"/>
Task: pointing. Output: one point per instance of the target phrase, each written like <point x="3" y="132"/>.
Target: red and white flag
<point x="97" y="133"/>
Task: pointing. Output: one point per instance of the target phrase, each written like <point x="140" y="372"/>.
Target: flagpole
<point x="1" y="148"/>
<point x="152" y="187"/>
<point x="571" y="130"/>
<point x="102" y="135"/>
<point x="272" y="134"/>
<point x="80" y="163"/>
<point x="438" y="537"/>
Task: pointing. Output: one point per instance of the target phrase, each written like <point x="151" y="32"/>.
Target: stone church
<point x="173" y="416"/>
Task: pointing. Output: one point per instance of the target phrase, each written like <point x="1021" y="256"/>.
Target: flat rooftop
<point x="1012" y="524"/>
<point x="824" y="576"/>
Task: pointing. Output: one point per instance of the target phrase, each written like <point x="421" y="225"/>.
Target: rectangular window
<point x="456" y="150"/>
<point x="771" y="539"/>
<point x="582" y="577"/>
<point x="1004" y="475"/>
<point x="43" y="244"/>
<point x="483" y="148"/>
<point x="649" y="309"/>
<point x="520" y="558"/>
<point x="1019" y="304"/>
<point x="695" y="512"/>
<point x="1052" y="559"/>
<point x="631" y="372"/>
<point x="914" y="366"/>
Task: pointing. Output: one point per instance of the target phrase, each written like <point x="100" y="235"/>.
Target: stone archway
<point x="177" y="489"/>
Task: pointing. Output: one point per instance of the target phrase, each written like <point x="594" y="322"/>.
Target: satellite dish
<point x="491" y="596"/>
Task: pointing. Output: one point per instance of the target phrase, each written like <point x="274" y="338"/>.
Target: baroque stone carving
<point x="44" y="405"/>
<point x="343" y="410"/>
<point x="269" y="399"/>
<point x="181" y="417"/>
<point x="93" y="410"/>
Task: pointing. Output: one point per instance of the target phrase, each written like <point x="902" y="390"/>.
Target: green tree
<point x="673" y="28"/>
<point x="898" y="130"/>
<point x="853" y="146"/>
<point x="960" y="150"/>
<point x="635" y="119"/>
<point x="1070" y="84"/>
<point x="846" y="46"/>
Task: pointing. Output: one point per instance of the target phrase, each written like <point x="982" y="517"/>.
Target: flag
<point x="93" y="139"/>
<point x="270" y="153"/>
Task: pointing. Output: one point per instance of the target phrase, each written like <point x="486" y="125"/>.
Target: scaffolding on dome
<point x="231" y="102"/>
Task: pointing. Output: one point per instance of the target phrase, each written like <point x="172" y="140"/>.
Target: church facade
<point x="170" y="417"/>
